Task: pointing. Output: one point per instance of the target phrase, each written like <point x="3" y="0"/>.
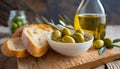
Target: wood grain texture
<point x="87" y="60"/>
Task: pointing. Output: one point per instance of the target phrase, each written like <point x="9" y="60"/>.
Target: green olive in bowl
<point x="66" y="32"/>
<point x="80" y="31"/>
<point x="78" y="37"/>
<point x="56" y="35"/>
<point x="70" y="49"/>
<point x="68" y="39"/>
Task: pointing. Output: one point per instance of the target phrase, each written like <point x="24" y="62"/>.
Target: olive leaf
<point x="109" y="47"/>
<point x="60" y="27"/>
<point x="103" y="35"/>
<point x="52" y="22"/>
<point x="102" y="50"/>
<point x="38" y="20"/>
<point x="62" y="23"/>
<point x="61" y="18"/>
<point x="69" y="27"/>
<point x="116" y="46"/>
<point x="45" y="20"/>
<point x="68" y="20"/>
<point x="53" y="25"/>
<point x="116" y="40"/>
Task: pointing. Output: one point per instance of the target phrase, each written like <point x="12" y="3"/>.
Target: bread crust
<point x="7" y="51"/>
<point x="31" y="47"/>
<point x="35" y="50"/>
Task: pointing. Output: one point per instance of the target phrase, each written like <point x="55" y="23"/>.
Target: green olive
<point x="86" y="38"/>
<point x="108" y="42"/>
<point x="80" y="31"/>
<point x="68" y="39"/>
<point x="98" y="43"/>
<point x="14" y="25"/>
<point x="56" y="39"/>
<point x="23" y="21"/>
<point x="66" y="32"/>
<point x="15" y="19"/>
<point x="56" y="35"/>
<point x="19" y="23"/>
<point x="78" y="37"/>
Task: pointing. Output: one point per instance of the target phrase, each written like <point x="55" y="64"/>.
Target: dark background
<point x="51" y="9"/>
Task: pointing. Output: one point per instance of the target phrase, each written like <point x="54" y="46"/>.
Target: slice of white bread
<point x="35" y="39"/>
<point x="14" y="47"/>
<point x="18" y="32"/>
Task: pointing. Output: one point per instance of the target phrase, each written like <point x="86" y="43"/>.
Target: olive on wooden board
<point x="108" y="42"/>
<point x="98" y="43"/>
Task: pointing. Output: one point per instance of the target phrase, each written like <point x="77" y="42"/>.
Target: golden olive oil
<point x="92" y="23"/>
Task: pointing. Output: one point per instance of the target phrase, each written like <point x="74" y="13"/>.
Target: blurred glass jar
<point x="16" y="19"/>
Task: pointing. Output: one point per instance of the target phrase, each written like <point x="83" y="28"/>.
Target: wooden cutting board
<point x="53" y="60"/>
<point x="87" y="60"/>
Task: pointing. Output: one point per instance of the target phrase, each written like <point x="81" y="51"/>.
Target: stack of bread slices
<point x="28" y="40"/>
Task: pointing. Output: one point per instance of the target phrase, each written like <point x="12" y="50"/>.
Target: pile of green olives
<point x="66" y="36"/>
<point x="17" y="22"/>
<point x="100" y="43"/>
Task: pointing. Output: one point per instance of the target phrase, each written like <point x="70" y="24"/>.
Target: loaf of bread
<point x="31" y="39"/>
<point x="35" y="39"/>
<point x="14" y="47"/>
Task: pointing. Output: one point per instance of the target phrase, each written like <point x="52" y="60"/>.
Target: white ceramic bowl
<point x="70" y="49"/>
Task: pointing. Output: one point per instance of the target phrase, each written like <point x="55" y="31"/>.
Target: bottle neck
<point x="91" y="0"/>
<point x="91" y="3"/>
<point x="91" y="6"/>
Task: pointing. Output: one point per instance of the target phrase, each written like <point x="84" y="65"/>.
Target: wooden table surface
<point x="112" y="32"/>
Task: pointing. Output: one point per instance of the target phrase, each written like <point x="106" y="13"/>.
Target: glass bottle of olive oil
<point x="91" y="17"/>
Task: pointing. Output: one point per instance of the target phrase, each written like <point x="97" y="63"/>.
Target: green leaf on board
<point x="116" y="46"/>
<point x="102" y="50"/>
<point x="109" y="47"/>
<point x="116" y="40"/>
